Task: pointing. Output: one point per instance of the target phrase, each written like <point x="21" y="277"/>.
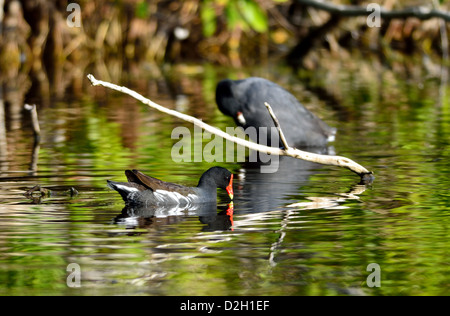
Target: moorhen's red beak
<point x="229" y="187"/>
<point x="230" y="211"/>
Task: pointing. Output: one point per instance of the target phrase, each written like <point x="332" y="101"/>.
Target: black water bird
<point x="144" y="190"/>
<point x="244" y="101"/>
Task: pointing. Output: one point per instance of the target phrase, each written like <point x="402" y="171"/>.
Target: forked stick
<point x="277" y="124"/>
<point x="366" y="175"/>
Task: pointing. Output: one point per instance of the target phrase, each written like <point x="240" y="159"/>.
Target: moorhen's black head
<point x="217" y="177"/>
<point x="227" y="102"/>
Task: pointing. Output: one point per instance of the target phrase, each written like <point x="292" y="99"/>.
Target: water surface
<point x="305" y="230"/>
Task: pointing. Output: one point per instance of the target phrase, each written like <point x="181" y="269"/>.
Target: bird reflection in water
<point x="158" y="217"/>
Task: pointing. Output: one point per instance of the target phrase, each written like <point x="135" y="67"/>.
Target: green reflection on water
<point x="396" y="128"/>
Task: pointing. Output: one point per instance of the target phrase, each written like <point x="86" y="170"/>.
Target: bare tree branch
<point x="420" y="12"/>
<point x="366" y="175"/>
<point x="277" y="124"/>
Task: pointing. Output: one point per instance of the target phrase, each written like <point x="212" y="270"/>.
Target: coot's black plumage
<point x="244" y="101"/>
<point x="145" y="190"/>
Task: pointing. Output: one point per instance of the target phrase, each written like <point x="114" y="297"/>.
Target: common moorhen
<point x="244" y="101"/>
<point x="148" y="191"/>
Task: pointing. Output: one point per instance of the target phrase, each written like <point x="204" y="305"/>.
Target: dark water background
<point x="305" y="230"/>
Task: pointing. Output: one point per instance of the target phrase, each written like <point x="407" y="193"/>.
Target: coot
<point x="148" y="191"/>
<point x="244" y="101"/>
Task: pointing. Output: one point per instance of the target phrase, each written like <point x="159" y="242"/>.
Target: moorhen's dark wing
<point x="135" y="176"/>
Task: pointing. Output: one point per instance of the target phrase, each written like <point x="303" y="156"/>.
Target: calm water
<point x="304" y="230"/>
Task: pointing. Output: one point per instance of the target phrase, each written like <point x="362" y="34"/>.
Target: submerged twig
<point x="366" y="175"/>
<point x="34" y="119"/>
<point x="37" y="136"/>
<point x="45" y="192"/>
